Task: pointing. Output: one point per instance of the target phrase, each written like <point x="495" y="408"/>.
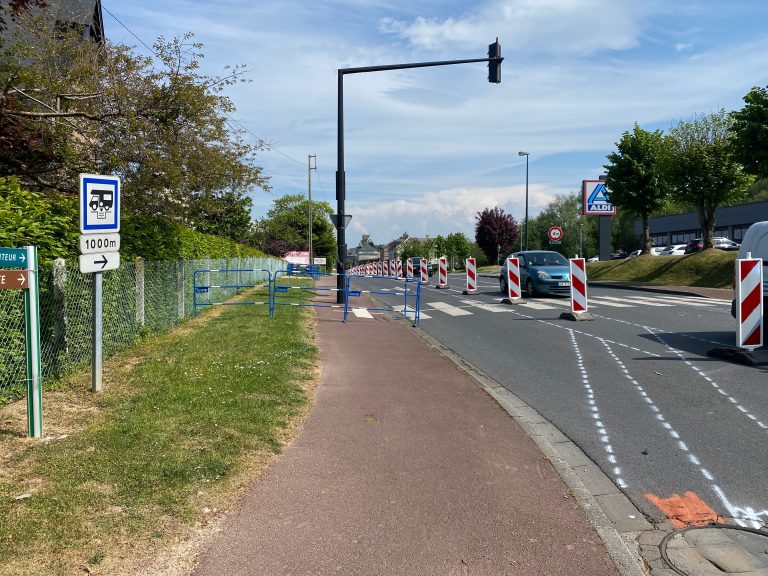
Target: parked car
<point x="619" y="255"/>
<point x="674" y="250"/>
<point x="634" y="254"/>
<point x="541" y="272"/>
<point x="593" y="259"/>
<point x="657" y="250"/>
<point x="719" y="243"/>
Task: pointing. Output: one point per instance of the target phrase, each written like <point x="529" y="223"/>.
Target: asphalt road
<point x="633" y="388"/>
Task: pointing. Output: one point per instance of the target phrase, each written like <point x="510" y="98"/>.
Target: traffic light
<point x="494" y="64"/>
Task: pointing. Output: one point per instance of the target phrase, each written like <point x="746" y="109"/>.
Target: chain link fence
<point x="139" y="298"/>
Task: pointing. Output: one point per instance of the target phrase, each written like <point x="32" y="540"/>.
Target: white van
<point x="755" y="242"/>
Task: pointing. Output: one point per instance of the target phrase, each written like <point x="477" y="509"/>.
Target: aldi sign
<point x="597" y="199"/>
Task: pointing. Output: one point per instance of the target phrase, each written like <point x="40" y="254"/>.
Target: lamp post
<point x="526" y="196"/>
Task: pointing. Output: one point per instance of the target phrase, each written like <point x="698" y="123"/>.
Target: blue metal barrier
<point x="206" y="288"/>
<point x="294" y="272"/>
<point x="408" y="291"/>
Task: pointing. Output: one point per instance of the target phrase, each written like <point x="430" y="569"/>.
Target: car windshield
<point x="547" y="259"/>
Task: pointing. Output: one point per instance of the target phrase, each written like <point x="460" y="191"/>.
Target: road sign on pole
<point x="99" y="262"/>
<point x="95" y="243"/>
<point x="99" y="203"/>
<point x="597" y="199"/>
<point x="555" y="234"/>
<point x="13" y="280"/>
<point x="13" y="258"/>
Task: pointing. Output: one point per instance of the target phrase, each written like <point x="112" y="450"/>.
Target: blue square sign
<point x="99" y="203"/>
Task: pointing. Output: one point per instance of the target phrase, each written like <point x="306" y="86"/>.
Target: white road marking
<point x="609" y="301"/>
<point x="651" y="301"/>
<point x="486" y="307"/>
<point x="410" y="310"/>
<point x="361" y="313"/>
<point x="602" y="432"/>
<point x="537" y="305"/>
<point x="449" y="309"/>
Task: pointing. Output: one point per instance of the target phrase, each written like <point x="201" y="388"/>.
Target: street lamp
<point x="526" y="196"/>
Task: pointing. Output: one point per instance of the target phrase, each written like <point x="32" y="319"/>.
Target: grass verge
<point x="183" y="420"/>
<point x="705" y="269"/>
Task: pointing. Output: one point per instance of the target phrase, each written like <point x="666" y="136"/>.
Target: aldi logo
<point x="597" y="199"/>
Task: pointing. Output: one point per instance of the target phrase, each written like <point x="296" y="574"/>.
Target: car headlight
<point x="542" y="275"/>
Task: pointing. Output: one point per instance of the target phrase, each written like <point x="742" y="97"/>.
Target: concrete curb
<point x="598" y="497"/>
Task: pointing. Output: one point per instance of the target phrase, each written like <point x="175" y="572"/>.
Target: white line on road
<point x="448" y="309"/>
<point x="488" y="307"/>
<point x="361" y="313"/>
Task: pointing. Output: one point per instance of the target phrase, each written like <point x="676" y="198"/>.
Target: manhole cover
<point x="716" y="550"/>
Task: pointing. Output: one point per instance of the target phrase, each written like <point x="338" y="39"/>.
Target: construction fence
<point x="139" y="298"/>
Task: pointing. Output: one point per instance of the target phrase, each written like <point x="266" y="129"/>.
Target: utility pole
<point x="309" y="191"/>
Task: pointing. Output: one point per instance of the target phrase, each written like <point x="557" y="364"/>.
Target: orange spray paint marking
<point x="685" y="510"/>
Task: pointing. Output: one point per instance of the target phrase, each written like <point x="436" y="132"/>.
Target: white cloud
<point x="681" y="47"/>
<point x="549" y="26"/>
<point x="448" y="210"/>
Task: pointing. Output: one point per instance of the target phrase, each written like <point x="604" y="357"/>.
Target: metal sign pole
<point x="96" y="307"/>
<point x="34" y="380"/>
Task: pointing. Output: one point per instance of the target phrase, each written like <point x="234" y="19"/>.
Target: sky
<point x="427" y="149"/>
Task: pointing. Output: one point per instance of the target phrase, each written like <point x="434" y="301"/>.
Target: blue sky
<point x="427" y="149"/>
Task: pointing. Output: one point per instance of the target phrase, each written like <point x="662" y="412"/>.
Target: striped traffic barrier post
<point x="749" y="303"/>
<point x="409" y="268"/>
<point x="442" y="275"/>
<point x="385" y="272"/>
<point x="424" y="271"/>
<point x="399" y="269"/>
<point x="514" y="292"/>
<point x="471" y="268"/>
<point x="579" y="305"/>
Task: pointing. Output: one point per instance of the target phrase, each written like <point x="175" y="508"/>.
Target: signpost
<point x="99" y="247"/>
<point x="27" y="280"/>
<point x="555" y="234"/>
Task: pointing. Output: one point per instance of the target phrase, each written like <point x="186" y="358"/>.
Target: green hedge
<point x="51" y="224"/>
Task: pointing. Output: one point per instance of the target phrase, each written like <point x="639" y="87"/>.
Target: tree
<point x="68" y="106"/>
<point x="495" y="232"/>
<point x="16" y="9"/>
<point x="750" y="132"/>
<point x="412" y="248"/>
<point x="704" y="170"/>
<point x="366" y="240"/>
<point x="579" y="231"/>
<point x="226" y="214"/>
<point x="637" y="175"/>
<point x="286" y="225"/>
<point x="458" y="248"/>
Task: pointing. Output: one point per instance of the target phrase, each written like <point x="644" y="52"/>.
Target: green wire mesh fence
<point x="139" y="298"/>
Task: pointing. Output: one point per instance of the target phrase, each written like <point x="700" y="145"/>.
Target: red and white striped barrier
<point x="442" y="275"/>
<point x="578" y="285"/>
<point x="424" y="271"/>
<point x="749" y="303"/>
<point x="514" y="292"/>
<point x="409" y="268"/>
<point x="471" y="268"/>
<point x="386" y="268"/>
<point x="399" y="269"/>
<point x="379" y="268"/>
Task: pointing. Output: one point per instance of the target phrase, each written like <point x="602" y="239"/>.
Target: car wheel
<point x="502" y="286"/>
<point x="529" y="287"/>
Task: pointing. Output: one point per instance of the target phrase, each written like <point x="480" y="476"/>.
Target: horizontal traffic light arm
<point x="415" y="65"/>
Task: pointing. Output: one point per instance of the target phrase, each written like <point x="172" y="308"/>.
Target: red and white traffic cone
<point x="579" y="305"/>
<point x="409" y="268"/>
<point x="442" y="274"/>
<point x="514" y="292"/>
<point x="749" y="303"/>
<point x="469" y="265"/>
<point x="399" y="269"/>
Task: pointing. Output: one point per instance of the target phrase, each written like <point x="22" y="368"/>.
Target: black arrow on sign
<point x="103" y="261"/>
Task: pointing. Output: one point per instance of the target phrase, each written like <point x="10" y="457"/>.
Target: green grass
<point x="706" y="269"/>
<point x="180" y="422"/>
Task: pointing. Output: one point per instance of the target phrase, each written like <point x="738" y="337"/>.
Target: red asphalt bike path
<point x="404" y="466"/>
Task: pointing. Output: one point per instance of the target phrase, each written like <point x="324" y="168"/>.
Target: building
<point x="730" y="222"/>
<point x="362" y="254"/>
<point x="84" y="16"/>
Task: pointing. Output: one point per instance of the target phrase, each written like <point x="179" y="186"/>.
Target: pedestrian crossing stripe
<point x="449" y="309"/>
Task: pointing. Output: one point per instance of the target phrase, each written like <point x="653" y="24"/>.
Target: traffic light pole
<point x="494" y="67"/>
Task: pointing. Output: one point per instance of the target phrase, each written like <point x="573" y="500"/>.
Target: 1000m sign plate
<point x="97" y="243"/>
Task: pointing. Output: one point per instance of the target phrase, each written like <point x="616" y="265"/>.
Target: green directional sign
<point x="13" y="258"/>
